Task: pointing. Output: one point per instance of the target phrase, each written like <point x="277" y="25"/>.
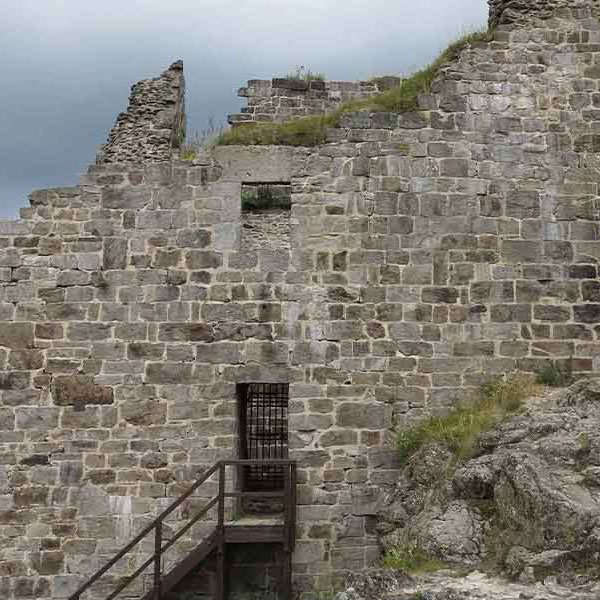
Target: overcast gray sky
<point x="66" y="66"/>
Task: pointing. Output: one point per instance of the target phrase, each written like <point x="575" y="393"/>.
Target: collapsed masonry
<point x="427" y="253"/>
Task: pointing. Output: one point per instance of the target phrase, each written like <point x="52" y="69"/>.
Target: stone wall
<point x="280" y="99"/>
<point x="523" y="12"/>
<point x="428" y="252"/>
<point x="154" y="122"/>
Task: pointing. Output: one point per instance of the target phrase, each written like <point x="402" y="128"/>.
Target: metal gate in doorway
<point x="263" y="419"/>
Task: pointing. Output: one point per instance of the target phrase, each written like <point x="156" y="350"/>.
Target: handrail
<point x="289" y="493"/>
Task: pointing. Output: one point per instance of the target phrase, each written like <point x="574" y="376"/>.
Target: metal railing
<point x="218" y="538"/>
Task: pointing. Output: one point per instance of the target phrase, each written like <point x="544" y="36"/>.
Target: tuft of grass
<point x="412" y="560"/>
<point x="301" y="75"/>
<point x="460" y="429"/>
<point x="552" y="374"/>
<point x="312" y="131"/>
<point x="190" y="148"/>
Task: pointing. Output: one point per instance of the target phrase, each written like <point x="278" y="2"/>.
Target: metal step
<point x="185" y="566"/>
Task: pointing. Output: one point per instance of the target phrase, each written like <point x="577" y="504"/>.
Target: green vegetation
<point x="312" y="131"/>
<point x="262" y="197"/>
<point x="300" y="75"/>
<point x="309" y="131"/>
<point x="460" y="429"/>
<point x="552" y="374"/>
<point x="486" y="507"/>
<point x="190" y="148"/>
<point x="412" y="560"/>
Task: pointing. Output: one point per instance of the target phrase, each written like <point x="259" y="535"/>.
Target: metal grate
<point x="264" y="433"/>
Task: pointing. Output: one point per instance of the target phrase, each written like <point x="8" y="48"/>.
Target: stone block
<point x="439" y="295"/>
<point x="114" y="254"/>
<point x="79" y="391"/>
<point x="144" y="411"/>
<point x="521" y="251"/>
<point x="26" y="360"/>
<point x="36" y="418"/>
<point x="88" y="331"/>
<point x="587" y="313"/>
<point x="454" y="167"/>
<point x="362" y="416"/>
<point x="185" y="332"/>
<point x="14" y="380"/>
<point x="171" y="373"/>
<point x="203" y="259"/>
<point x="549" y="312"/>
<point x="523" y="205"/>
<point x="17" y="335"/>
<point x="492" y="291"/>
<point x="504" y="313"/>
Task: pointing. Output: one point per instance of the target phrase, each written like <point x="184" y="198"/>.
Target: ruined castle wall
<point x="154" y="122"/>
<point x="428" y="252"/>
<point x="278" y="100"/>
<point x="527" y="12"/>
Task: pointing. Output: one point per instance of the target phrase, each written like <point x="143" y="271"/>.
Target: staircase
<point x="216" y="541"/>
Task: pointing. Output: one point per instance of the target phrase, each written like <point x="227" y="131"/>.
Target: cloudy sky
<point x="67" y="66"/>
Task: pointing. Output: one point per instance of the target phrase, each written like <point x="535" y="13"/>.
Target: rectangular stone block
<point x="79" y="391"/>
<point x="504" y="313"/>
<point x="362" y="416"/>
<point x="521" y="251"/>
<point x="16" y="335"/>
<point x="523" y="204"/>
<point x="114" y="254"/>
<point x="40" y="419"/>
<point x="185" y="332"/>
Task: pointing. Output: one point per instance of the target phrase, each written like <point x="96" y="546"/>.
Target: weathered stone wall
<point x="428" y="252"/>
<point x="523" y="12"/>
<point x="277" y="99"/>
<point x="154" y="122"/>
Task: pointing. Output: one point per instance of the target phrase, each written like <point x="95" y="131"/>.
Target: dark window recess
<point x="257" y="197"/>
<point x="263" y="412"/>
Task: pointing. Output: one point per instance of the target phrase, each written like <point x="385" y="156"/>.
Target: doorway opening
<point x="263" y="420"/>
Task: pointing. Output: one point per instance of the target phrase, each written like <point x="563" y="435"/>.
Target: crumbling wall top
<point x="154" y="122"/>
<point x="519" y="12"/>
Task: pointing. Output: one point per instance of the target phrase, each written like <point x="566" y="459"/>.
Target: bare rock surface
<point x="379" y="585"/>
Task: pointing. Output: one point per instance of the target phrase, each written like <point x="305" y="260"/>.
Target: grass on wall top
<point x="312" y="131"/>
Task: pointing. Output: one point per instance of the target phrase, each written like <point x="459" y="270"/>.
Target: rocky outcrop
<point x="527" y="505"/>
<point x="529" y="502"/>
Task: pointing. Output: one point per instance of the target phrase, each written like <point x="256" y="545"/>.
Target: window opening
<point x="266" y="211"/>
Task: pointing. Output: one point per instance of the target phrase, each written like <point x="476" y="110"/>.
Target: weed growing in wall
<point x="460" y="429"/>
<point x="312" y="131"/>
<point x="552" y="374"/>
